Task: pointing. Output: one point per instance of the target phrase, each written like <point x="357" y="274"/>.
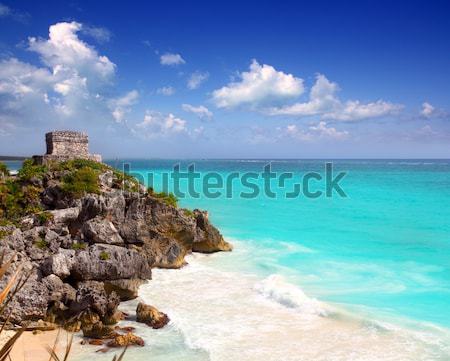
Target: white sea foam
<point x="276" y="288"/>
<point x="219" y="313"/>
<point x="231" y="315"/>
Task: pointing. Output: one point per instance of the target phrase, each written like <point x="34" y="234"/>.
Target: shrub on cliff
<point x="81" y="181"/>
<point x="17" y="200"/>
<point x="3" y="169"/>
<point x="168" y="198"/>
<point x="30" y="170"/>
<point x="74" y="164"/>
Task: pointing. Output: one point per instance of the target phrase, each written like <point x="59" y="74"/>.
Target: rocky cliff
<point x="89" y="237"/>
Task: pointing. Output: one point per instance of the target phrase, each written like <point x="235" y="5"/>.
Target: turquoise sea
<point x="366" y="277"/>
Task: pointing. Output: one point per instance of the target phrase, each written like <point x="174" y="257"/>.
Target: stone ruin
<point x="65" y="145"/>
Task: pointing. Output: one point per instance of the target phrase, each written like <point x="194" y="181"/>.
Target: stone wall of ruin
<point x="65" y="145"/>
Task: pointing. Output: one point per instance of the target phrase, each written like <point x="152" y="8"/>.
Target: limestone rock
<point x="126" y="340"/>
<point x="59" y="264"/>
<point x="126" y="289"/>
<point x="151" y="316"/>
<point x="100" y="230"/>
<point x="209" y="238"/>
<point x="107" y="262"/>
<point x="92" y="298"/>
<point x="98" y="331"/>
<point x="165" y="252"/>
<point x="65" y="215"/>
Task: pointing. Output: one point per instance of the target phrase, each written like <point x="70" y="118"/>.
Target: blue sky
<point x="260" y="79"/>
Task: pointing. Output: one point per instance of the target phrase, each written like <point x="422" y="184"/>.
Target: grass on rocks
<point x="20" y="195"/>
<point x="168" y="198"/>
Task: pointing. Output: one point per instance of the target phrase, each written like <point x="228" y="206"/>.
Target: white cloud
<point x="324" y="102"/>
<point x="65" y="51"/>
<point x="166" y="90"/>
<point x="171" y="59"/>
<point x="260" y="84"/>
<point x="201" y="111"/>
<point x="427" y="110"/>
<point x="102" y="35"/>
<point x="196" y="79"/>
<point x="67" y="87"/>
<point x="121" y="106"/>
<point x="314" y="132"/>
<point x="158" y="124"/>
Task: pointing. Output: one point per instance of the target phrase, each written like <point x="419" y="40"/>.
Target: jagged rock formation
<point x="88" y="251"/>
<point x="64" y="145"/>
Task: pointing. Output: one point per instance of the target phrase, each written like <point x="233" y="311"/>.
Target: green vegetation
<point x="79" y="246"/>
<point x="17" y="200"/>
<point x="29" y="170"/>
<point x="74" y="164"/>
<point x="189" y="213"/>
<point x="4" y="233"/>
<point x="81" y="181"/>
<point x="104" y="256"/>
<point x="168" y="198"/>
<point x="125" y="181"/>
<point x="21" y="196"/>
<point x="41" y="244"/>
<point x="3" y="169"/>
<point x="44" y="217"/>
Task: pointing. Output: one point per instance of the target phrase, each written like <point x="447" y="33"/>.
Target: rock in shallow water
<point x="126" y="340"/>
<point x="151" y="316"/>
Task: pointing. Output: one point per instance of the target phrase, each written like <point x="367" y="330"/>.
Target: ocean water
<point x="365" y="277"/>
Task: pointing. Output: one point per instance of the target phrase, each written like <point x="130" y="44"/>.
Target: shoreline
<point x="334" y="321"/>
<point x="217" y="320"/>
<point x="33" y="346"/>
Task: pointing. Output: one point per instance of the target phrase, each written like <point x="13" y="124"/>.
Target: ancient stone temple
<point x="64" y="145"/>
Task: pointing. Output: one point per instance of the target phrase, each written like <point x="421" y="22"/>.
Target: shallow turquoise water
<point x="385" y="249"/>
<point x="378" y="260"/>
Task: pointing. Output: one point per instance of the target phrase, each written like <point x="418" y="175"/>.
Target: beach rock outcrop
<point x="86" y="251"/>
<point x="126" y="289"/>
<point x="100" y="230"/>
<point x="151" y="316"/>
<point x="127" y="339"/>
<point x="208" y="239"/>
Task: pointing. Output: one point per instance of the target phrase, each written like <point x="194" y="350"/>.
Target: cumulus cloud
<point x="171" y="59"/>
<point x="121" y="106"/>
<point x="201" y="111"/>
<point x="314" y="132"/>
<point x="260" y="84"/>
<point x="158" y="124"/>
<point x="69" y="86"/>
<point x="196" y="79"/>
<point x="63" y="50"/>
<point x="427" y="110"/>
<point x="166" y="90"/>
<point x="324" y="102"/>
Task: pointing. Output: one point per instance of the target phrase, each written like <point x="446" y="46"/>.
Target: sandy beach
<point x="34" y="346"/>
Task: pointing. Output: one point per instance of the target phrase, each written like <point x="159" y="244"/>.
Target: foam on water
<point x="220" y="313"/>
<point x="359" y="278"/>
<point x="276" y="288"/>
